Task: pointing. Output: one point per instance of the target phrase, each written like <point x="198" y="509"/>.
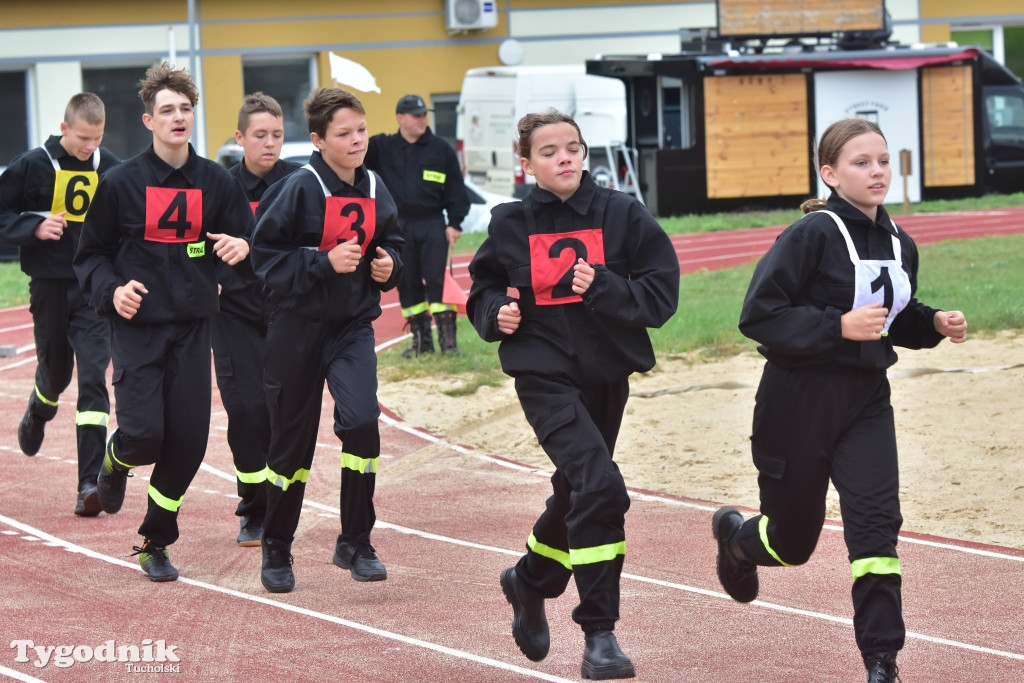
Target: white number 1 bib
<point x="878" y="281"/>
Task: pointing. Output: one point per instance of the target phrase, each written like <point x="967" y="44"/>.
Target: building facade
<point x="55" y="48"/>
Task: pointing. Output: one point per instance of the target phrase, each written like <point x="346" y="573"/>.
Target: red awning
<point x="907" y="59"/>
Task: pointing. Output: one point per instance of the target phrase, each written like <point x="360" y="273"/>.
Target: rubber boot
<point x="422" y="340"/>
<point x="446" y="332"/>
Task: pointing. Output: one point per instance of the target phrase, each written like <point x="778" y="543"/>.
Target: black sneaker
<point x="882" y="668"/>
<point x="88" y="504"/>
<point x="737" y="575"/>
<point x="277" y="575"/>
<point x="31" y="432"/>
<point x="110" y="485"/>
<point x="154" y="561"/>
<point x="360" y="559"/>
<point x="251" y="533"/>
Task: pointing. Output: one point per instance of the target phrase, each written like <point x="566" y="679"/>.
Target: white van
<point x="493" y="99"/>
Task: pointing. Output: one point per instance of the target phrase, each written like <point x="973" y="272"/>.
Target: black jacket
<point x="424" y="177"/>
<point x="286" y="252"/>
<point x="119" y="242"/>
<point x="240" y="295"/>
<point x="602" y="338"/>
<point x="26" y="187"/>
<point x="805" y="283"/>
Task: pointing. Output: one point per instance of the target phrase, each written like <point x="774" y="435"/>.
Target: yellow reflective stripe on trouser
<point x="93" y="418"/>
<point x="421" y="307"/>
<point x="252" y="477"/>
<point x="442" y="308"/>
<point x="163" y="501"/>
<point x="47" y="401"/>
<point x="110" y="454"/>
<point x="875" y="565"/>
<point x="357" y="464"/>
<point x="282" y="482"/>
<point x="559" y="556"/>
<point x="598" y="553"/>
<point x="762" y="530"/>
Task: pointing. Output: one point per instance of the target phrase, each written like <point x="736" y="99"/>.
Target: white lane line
<point x="664" y="500"/>
<point x="18" y="676"/>
<point x="415" y="642"/>
<point x="657" y="582"/>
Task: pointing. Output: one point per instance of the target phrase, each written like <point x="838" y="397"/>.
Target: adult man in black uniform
<point x="424" y="176"/>
<point x="44" y="197"/>
<point x="240" y="329"/>
<point x="158" y="223"/>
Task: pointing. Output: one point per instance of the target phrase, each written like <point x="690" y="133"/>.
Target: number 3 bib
<point x="345" y="217"/>
<point x="883" y="281"/>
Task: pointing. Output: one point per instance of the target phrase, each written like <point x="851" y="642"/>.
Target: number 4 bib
<point x="173" y="214"/>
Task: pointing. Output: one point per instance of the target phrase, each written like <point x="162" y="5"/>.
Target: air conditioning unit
<point x="465" y="15"/>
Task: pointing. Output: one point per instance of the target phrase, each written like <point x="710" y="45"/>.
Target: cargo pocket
<point x="547" y="423"/>
<point x="222" y="366"/>
<point x="768" y="464"/>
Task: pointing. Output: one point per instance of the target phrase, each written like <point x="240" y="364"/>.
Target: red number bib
<point x="348" y="216"/>
<point x="173" y="214"/>
<point x="552" y="257"/>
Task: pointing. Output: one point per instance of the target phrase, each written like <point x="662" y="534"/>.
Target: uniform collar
<point x="164" y="170"/>
<point x="580" y="201"/>
<point x="855" y="217"/>
<point x="251" y="181"/>
<point x="336" y="185"/>
<point x="54" y="148"/>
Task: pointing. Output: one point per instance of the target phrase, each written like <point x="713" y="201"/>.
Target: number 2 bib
<point x="345" y="217"/>
<point x="553" y="256"/>
<point x="883" y="281"/>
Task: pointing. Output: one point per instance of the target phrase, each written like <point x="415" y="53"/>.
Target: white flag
<point x="353" y="74"/>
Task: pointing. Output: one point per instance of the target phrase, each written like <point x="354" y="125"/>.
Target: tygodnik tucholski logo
<point x="151" y="656"/>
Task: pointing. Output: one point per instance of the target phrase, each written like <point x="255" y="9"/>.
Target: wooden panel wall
<point x="758" y="143"/>
<point x="793" y="17"/>
<point x="947" y="126"/>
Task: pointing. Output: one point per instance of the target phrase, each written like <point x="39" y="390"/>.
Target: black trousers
<point x="811" y="426"/>
<point x="68" y="331"/>
<point x="303" y="353"/>
<point x="162" y="386"/>
<point x="424" y="258"/>
<point x="581" y="532"/>
<point x="238" y="351"/>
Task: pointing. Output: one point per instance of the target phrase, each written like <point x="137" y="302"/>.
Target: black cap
<point x="411" y="104"/>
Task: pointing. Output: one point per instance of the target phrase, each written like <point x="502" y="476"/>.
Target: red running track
<point x="450" y="519"/>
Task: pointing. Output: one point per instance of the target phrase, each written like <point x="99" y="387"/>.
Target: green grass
<point x="716" y="222"/>
<point x="982" y="277"/>
<point x="13" y="285"/>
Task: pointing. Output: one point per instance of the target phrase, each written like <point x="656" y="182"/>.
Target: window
<point x="118" y="87"/>
<point x="1013" y="45"/>
<point x="676" y="114"/>
<point x="287" y="81"/>
<point x="444" y="106"/>
<point x="13" y="115"/>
